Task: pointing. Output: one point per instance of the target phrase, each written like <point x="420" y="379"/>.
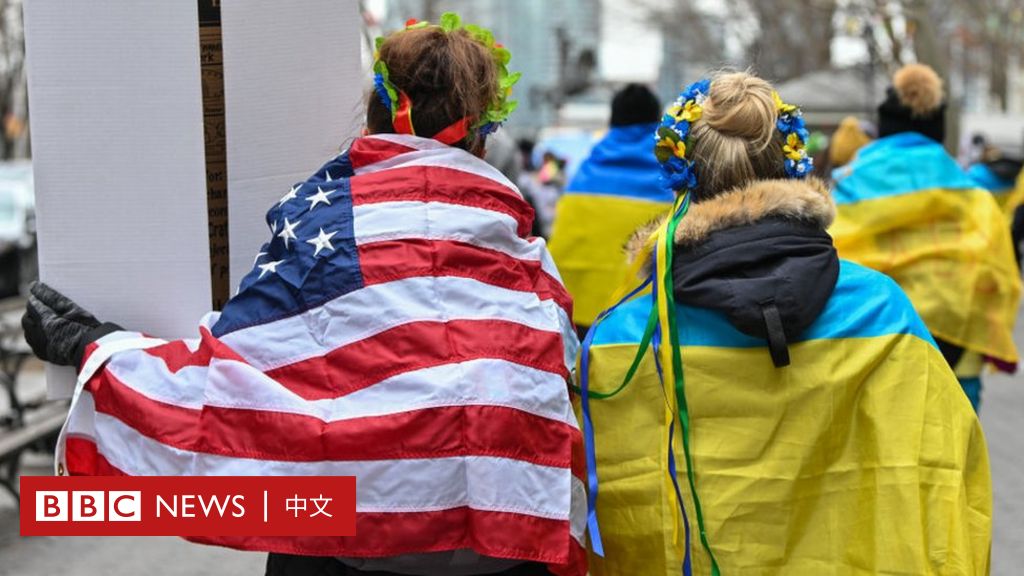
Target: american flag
<point x="401" y="327"/>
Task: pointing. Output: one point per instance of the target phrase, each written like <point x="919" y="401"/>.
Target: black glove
<point x="57" y="329"/>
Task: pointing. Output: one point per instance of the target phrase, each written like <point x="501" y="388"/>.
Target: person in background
<point x="399" y="326"/>
<point x="1001" y="175"/>
<point x="528" y="185"/>
<point x="997" y="172"/>
<point x="552" y="170"/>
<point x="907" y="209"/>
<point x="788" y="412"/>
<point x="544" y="188"/>
<point x="614" y="192"/>
<point x="849" y="137"/>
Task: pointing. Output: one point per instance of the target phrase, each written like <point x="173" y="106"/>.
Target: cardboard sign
<point x="122" y="166"/>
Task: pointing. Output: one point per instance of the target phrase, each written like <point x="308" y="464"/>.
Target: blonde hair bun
<point x="918" y="88"/>
<point x="741" y="105"/>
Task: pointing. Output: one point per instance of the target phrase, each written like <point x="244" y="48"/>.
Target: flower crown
<point x="673" y="137"/>
<point x="400" y="105"/>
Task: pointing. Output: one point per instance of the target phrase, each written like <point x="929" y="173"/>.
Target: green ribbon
<point x="645" y="342"/>
<point x="680" y="381"/>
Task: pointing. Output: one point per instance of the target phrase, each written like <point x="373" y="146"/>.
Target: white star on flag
<point x="291" y="195"/>
<point x="270" y="267"/>
<point x="319" y="198"/>
<point x="322" y="241"/>
<point x="327" y="176"/>
<point x="273" y="227"/>
<point x="288" y="231"/>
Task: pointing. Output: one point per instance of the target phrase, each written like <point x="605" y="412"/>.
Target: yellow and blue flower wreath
<point x="673" y="137"/>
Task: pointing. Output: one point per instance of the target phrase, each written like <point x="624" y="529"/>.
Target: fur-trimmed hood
<point x="802" y="201"/>
<point x="805" y="201"/>
<point x="761" y="256"/>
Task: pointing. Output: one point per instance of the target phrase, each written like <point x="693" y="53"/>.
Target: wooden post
<point x="211" y="55"/>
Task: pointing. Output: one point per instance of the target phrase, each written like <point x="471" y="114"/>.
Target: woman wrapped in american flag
<point x="400" y="326"/>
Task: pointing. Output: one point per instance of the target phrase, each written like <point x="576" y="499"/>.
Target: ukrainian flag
<point x="862" y="457"/>
<point x="1009" y="194"/>
<point x="616" y="191"/>
<point x="907" y="209"/>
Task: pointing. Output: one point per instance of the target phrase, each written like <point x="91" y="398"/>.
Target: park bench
<point x="13" y="354"/>
<point x="29" y="423"/>
<point x="38" y="430"/>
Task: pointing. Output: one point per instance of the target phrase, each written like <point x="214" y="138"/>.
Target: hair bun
<point x="741" y="105"/>
<point x="918" y="88"/>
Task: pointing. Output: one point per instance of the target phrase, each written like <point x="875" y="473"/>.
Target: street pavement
<point x="1002" y="411"/>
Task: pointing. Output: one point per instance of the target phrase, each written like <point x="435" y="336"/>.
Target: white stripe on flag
<point x="232" y="384"/>
<point x="374" y="309"/>
<point x="441" y="221"/>
<point x="484" y="382"/>
<point x="446" y="157"/>
<point x="578" y="510"/>
<point x="406" y="485"/>
<point x="149" y="375"/>
<point x="409" y="141"/>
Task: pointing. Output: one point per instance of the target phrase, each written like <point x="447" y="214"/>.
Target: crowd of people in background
<point x="614" y="191"/>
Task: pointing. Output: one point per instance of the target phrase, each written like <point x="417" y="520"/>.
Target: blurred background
<point x="832" y="57"/>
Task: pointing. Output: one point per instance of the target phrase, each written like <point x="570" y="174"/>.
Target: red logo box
<point x="188" y="506"/>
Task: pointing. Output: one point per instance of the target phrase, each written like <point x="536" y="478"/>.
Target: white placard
<point x="293" y="98"/>
<point x="117" y="142"/>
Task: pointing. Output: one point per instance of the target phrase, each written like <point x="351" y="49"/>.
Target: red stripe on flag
<point x="440" y="184"/>
<point x="84" y="459"/>
<point x="392" y="260"/>
<point x="577" y="564"/>
<point x="449" y="431"/>
<point x="177" y="355"/>
<point x="175" y="426"/>
<point x="578" y="461"/>
<point x="367" y="151"/>
<point x="419" y="345"/>
<point x="89" y="349"/>
<point x="497" y="534"/>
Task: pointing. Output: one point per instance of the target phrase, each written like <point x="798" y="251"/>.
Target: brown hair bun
<point x="447" y="76"/>
<point x="919" y="88"/>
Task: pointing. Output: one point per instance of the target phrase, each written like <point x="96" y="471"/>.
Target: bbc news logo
<point x="188" y="506"/>
<point x="88" y="506"/>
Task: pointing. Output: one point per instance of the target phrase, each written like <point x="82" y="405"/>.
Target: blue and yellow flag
<point x="905" y="208"/>
<point x="862" y="457"/>
<point x="1008" y="192"/>
<point x="616" y="191"/>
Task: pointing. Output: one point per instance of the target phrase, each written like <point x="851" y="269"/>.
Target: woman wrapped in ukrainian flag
<point x="906" y="208"/>
<point x="614" y="192"/>
<point x="757" y="405"/>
